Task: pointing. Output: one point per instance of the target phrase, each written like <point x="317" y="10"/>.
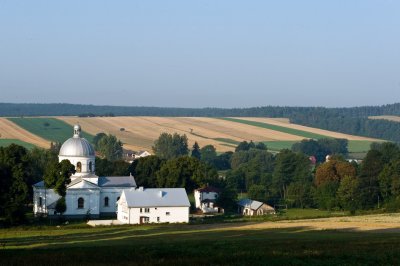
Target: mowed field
<point x="386" y="117"/>
<point x="9" y="132"/>
<point x="358" y="240"/>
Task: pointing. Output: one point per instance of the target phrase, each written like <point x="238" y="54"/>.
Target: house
<point x="205" y="199"/>
<point x="87" y="194"/>
<point x="142" y="154"/>
<point x="153" y="205"/>
<point x="253" y="208"/>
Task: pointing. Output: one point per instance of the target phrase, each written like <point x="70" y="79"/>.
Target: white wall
<point x="48" y="197"/>
<point x="199" y="196"/>
<point x="84" y="162"/>
<point x="113" y="194"/>
<point x="132" y="215"/>
<point x="91" y="201"/>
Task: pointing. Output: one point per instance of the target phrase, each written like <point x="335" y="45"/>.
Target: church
<point x="87" y="194"/>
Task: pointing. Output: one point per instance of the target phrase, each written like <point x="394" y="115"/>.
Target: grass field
<point x="386" y="117"/>
<point x="7" y="142"/>
<point x="359" y="240"/>
<point x="51" y="129"/>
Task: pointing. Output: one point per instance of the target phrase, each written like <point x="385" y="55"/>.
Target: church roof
<point x="77" y="146"/>
<point x="157" y="197"/>
<point x="117" y="181"/>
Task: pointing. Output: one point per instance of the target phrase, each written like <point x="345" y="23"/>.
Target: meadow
<point x="7" y="142"/>
<point x="360" y="240"/>
<point x="51" y="129"/>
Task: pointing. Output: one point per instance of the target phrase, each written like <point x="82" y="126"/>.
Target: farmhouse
<point x="252" y="207"/>
<point x="87" y="194"/>
<point x="153" y="205"/>
<point x="205" y="199"/>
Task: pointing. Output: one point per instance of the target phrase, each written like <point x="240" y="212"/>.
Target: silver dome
<point x="77" y="146"/>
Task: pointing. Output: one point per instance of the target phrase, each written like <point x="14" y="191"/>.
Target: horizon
<point x="228" y="54"/>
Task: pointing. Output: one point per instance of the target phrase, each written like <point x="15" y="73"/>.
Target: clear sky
<point x="200" y="53"/>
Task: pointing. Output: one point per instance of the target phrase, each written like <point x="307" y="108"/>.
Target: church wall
<point x="84" y="162"/>
<point x="48" y="197"/>
<point x="113" y="194"/>
<point x="91" y="202"/>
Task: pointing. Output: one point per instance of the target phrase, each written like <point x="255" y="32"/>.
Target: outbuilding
<point x="250" y="207"/>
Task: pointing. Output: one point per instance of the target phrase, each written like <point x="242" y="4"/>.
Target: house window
<point x="141" y="210"/>
<point x="40" y="201"/>
<point x="79" y="167"/>
<point x="106" y="202"/>
<point x="90" y="166"/>
<point x="167" y="213"/>
<point x="118" y="198"/>
<point x="146" y="210"/>
<point x="81" y="203"/>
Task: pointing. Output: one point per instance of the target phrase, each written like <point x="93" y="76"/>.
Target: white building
<point x="253" y="207"/>
<point x="87" y="194"/>
<point x="206" y="198"/>
<point x="153" y="205"/>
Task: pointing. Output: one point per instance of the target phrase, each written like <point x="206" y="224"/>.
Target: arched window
<point x="90" y="167"/>
<point x="81" y="203"/>
<point x="79" y="167"/>
<point x="106" y="202"/>
<point x="40" y="201"/>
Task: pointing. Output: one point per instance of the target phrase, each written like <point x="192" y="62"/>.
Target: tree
<point x="105" y="167"/>
<point x="245" y="146"/>
<point x="347" y="194"/>
<point x="334" y="170"/>
<point x="196" y="151"/>
<point x="110" y="147"/>
<point x="227" y="198"/>
<point x="97" y="139"/>
<point x="257" y="192"/>
<point x="169" y="146"/>
<point x="208" y="154"/>
<point x="61" y="205"/>
<point x="145" y="170"/>
<point x="58" y="176"/>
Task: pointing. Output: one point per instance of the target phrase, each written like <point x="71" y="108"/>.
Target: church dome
<point x="77" y="146"/>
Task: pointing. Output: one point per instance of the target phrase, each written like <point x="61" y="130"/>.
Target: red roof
<point x="208" y="189"/>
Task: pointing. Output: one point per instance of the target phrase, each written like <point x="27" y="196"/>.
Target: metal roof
<point x="78" y="147"/>
<point x="117" y="181"/>
<point x="252" y="204"/>
<point x="157" y="197"/>
<point x="39" y="184"/>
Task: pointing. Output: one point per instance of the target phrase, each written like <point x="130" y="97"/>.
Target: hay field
<point x="386" y="117"/>
<point x="140" y="132"/>
<point x="285" y="123"/>
<point x="9" y="130"/>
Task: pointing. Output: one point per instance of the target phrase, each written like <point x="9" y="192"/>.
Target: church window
<point x="90" y="167"/>
<point x="146" y="210"/>
<point x="106" y="202"/>
<point x="79" y="167"/>
<point x="81" y="203"/>
<point x="167" y="213"/>
<point x="40" y="201"/>
<point x="158" y="219"/>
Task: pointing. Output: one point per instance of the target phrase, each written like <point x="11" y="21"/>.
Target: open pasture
<point x="359" y="240"/>
<point x="9" y="132"/>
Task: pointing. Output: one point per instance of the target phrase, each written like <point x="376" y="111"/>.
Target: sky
<point x="205" y="53"/>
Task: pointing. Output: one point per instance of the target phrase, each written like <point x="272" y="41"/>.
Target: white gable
<point x="82" y="184"/>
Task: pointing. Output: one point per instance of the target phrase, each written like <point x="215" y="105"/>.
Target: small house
<point x="250" y="207"/>
<point x="206" y="198"/>
<point x="153" y="205"/>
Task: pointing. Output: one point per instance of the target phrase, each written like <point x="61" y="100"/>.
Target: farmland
<point x="386" y="117"/>
<point x="51" y="129"/>
<point x="359" y="240"/>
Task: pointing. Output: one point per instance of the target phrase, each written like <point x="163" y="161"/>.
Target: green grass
<point x="292" y="131"/>
<point x="359" y="146"/>
<point x="7" y="142"/>
<point x="279" y="145"/>
<point x="51" y="129"/>
<point x="229" y="141"/>
<point x="195" y="245"/>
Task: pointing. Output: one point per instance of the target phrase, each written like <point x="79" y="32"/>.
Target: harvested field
<point x="140" y="132"/>
<point x="386" y="117"/>
<point x="285" y="123"/>
<point x="9" y="130"/>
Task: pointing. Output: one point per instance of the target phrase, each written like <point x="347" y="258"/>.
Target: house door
<point x="144" y="219"/>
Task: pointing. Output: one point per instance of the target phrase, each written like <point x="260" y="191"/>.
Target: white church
<point x="89" y="195"/>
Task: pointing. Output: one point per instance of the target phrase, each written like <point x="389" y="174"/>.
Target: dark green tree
<point x="208" y="154"/>
<point x="169" y="146"/>
<point x="145" y="170"/>
<point x="196" y="151"/>
<point x="110" y="147"/>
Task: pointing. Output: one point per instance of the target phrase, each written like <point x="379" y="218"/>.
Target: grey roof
<point x="151" y="197"/>
<point x="117" y="181"/>
<point x="252" y="204"/>
<point x="39" y="184"/>
<point x="77" y="146"/>
<point x="52" y="205"/>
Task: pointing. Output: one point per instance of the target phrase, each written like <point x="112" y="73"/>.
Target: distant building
<point x="142" y="154"/>
<point x="206" y="200"/>
<point x="250" y="207"/>
<point x="153" y="205"/>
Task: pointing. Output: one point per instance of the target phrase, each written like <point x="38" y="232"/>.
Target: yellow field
<point x="9" y="130"/>
<point x="140" y="132"/>
<point x="285" y="123"/>
<point x="386" y="117"/>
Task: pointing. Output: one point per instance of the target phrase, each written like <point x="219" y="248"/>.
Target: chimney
<point x="160" y="193"/>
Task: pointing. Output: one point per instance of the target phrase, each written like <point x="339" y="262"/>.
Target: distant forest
<point x="353" y="120"/>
